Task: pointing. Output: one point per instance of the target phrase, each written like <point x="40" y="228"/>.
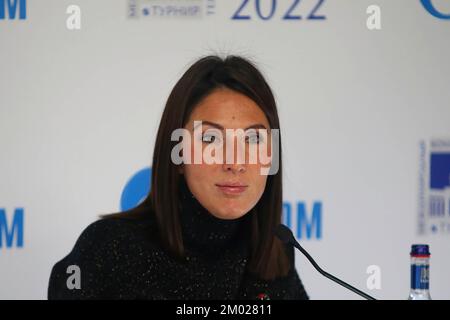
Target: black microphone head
<point x="284" y="234"/>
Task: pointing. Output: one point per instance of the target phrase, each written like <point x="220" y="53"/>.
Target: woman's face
<point x="227" y="190"/>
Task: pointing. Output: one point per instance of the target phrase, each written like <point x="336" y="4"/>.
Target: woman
<point x="206" y="229"/>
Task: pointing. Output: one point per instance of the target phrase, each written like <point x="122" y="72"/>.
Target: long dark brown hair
<point x="268" y="259"/>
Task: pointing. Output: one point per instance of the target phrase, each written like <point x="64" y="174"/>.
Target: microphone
<point x="285" y="235"/>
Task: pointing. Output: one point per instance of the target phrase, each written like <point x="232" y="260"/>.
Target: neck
<point x="202" y="230"/>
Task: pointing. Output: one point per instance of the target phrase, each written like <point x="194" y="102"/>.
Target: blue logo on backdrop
<point x="11" y="230"/>
<point x="433" y="11"/>
<point x="9" y="9"/>
<point x="434" y="187"/>
<point x="136" y="189"/>
<point x="304" y="224"/>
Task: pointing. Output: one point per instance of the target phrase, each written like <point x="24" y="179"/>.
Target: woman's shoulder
<point x="119" y="230"/>
<point x="103" y="249"/>
<point x="110" y="228"/>
<point x="110" y="236"/>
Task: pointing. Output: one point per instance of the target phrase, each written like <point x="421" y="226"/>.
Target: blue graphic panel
<point x="136" y="189"/>
<point x="439" y="170"/>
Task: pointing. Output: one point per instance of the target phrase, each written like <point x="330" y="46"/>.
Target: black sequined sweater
<point x="122" y="259"/>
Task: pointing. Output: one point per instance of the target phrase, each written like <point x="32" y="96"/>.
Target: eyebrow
<point x="218" y="126"/>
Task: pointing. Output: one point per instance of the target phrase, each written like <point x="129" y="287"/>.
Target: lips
<point x="232" y="188"/>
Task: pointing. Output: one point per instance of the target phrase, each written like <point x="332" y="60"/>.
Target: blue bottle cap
<point x="420" y="250"/>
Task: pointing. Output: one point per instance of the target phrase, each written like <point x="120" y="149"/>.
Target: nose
<point x="235" y="161"/>
<point x="234" y="167"/>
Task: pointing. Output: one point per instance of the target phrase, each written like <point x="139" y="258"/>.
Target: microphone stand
<point x="286" y="236"/>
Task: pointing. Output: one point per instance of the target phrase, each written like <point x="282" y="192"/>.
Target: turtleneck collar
<point x="202" y="230"/>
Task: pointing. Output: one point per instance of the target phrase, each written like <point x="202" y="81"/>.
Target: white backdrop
<point x="79" y="110"/>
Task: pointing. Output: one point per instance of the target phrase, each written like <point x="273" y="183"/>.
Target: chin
<point x="227" y="215"/>
<point x="230" y="215"/>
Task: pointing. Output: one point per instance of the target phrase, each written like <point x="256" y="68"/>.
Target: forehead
<point x="229" y="109"/>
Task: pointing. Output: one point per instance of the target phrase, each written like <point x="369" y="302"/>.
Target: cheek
<point x="193" y="172"/>
<point x="257" y="179"/>
<point x="199" y="174"/>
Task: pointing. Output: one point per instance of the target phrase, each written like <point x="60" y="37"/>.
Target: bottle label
<point x="420" y="277"/>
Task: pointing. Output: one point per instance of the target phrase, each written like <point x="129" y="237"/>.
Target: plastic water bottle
<point x="420" y="272"/>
